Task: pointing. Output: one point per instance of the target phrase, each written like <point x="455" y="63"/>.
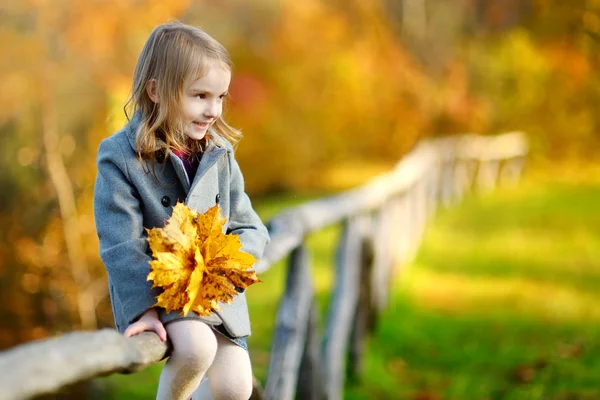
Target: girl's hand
<point x="148" y="322"/>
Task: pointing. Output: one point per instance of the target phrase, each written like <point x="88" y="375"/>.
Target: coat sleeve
<point x="243" y="220"/>
<point x="123" y="245"/>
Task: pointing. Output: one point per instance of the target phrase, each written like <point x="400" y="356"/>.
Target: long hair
<point x="174" y="55"/>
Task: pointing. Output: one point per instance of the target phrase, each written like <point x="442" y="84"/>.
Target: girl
<point x="176" y="147"/>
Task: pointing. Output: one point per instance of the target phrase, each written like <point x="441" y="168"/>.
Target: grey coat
<point x="128" y="198"/>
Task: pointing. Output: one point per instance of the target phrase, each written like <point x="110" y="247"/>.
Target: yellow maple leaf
<point x="195" y="263"/>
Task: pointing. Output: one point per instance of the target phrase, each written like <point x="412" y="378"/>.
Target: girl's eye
<point x="201" y="95"/>
<point x="222" y="97"/>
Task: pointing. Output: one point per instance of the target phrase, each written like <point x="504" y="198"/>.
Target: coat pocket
<point x="235" y="316"/>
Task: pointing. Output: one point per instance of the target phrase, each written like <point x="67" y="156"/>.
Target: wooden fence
<point x="383" y="223"/>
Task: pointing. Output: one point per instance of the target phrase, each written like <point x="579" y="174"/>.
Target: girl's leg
<point x="203" y="391"/>
<point x="194" y="349"/>
<point x="230" y="375"/>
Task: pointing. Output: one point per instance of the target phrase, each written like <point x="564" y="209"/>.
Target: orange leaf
<point x="195" y="263"/>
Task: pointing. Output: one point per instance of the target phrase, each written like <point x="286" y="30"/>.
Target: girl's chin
<point x="196" y="134"/>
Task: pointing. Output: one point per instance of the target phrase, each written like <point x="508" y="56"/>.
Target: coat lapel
<point x="210" y="157"/>
<point x="180" y="171"/>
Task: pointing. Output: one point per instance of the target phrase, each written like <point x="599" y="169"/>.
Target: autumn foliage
<point x="196" y="264"/>
<point x="326" y="93"/>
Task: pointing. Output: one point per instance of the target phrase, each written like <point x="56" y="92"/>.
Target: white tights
<point x="197" y="350"/>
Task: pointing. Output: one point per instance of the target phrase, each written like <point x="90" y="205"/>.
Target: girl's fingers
<point x="130" y="331"/>
<point x="136" y="328"/>
<point x="160" y="331"/>
<point x="142" y="326"/>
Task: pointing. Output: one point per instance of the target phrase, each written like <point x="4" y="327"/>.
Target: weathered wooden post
<point x="487" y="175"/>
<point x="446" y="155"/>
<point x="310" y="379"/>
<point x="291" y="328"/>
<point x="383" y="247"/>
<point x="512" y="170"/>
<point x="342" y="309"/>
<point x="433" y="187"/>
<point x="364" y="317"/>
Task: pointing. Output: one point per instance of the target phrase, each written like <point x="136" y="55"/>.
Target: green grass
<point x="501" y="302"/>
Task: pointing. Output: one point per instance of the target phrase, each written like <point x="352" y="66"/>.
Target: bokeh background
<point x="329" y="93"/>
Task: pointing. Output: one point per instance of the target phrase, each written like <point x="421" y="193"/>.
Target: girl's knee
<point x="194" y="359"/>
<point x="194" y="345"/>
<point x="231" y="378"/>
<point x="237" y="388"/>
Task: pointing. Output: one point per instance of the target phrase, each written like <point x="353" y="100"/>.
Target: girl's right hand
<point x="148" y="322"/>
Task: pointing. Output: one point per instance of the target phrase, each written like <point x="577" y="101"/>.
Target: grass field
<point x="501" y="302"/>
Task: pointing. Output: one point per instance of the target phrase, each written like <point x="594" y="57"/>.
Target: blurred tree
<point x="64" y="57"/>
<point x="319" y="86"/>
<point x="333" y="86"/>
<point x="533" y="64"/>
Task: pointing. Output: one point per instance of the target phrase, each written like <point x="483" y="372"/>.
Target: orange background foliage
<point x="327" y="93"/>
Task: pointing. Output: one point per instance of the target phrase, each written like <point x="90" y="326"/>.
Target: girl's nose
<point x="212" y="110"/>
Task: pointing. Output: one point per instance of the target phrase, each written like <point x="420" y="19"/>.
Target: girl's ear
<point x="152" y="91"/>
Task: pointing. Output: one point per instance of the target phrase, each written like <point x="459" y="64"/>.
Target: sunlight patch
<point x="521" y="296"/>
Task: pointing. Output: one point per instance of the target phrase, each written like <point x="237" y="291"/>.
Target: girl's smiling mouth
<point x="202" y="125"/>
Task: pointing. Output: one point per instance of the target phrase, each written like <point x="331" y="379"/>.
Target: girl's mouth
<point x="202" y="125"/>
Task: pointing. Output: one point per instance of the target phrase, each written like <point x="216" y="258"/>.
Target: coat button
<point x="160" y="156"/>
<point x="218" y="198"/>
<point x="166" y="201"/>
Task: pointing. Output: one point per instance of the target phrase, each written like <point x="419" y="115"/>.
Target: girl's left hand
<point x="148" y="322"/>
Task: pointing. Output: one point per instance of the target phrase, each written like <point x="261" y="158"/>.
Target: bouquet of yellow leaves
<point x="195" y="263"/>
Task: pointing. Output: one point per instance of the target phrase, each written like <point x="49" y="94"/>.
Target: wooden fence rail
<point x="383" y="223"/>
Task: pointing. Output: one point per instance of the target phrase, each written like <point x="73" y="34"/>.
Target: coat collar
<point x="211" y="155"/>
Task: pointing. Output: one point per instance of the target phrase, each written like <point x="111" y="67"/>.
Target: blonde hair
<point x="174" y="55"/>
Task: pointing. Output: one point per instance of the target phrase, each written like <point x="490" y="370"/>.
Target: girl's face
<point x="203" y="100"/>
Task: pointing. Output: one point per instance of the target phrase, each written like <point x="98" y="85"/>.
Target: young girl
<point x="176" y="147"/>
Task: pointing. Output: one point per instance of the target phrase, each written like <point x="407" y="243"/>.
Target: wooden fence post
<point x="343" y="306"/>
<point x="400" y="230"/>
<point x="364" y="317"/>
<point x="310" y="379"/>
<point x="290" y="330"/>
<point x="421" y="213"/>
<point x="409" y="217"/>
<point x="511" y="170"/>
<point x="487" y="175"/>
<point x="461" y="179"/>
<point x="382" y="237"/>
